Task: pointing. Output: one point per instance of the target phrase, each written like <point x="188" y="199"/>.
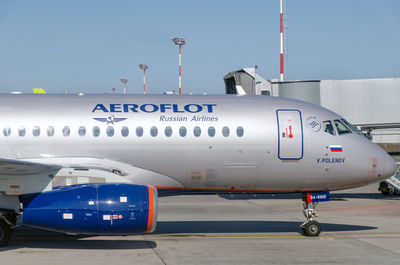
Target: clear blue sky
<point x="88" y="45"/>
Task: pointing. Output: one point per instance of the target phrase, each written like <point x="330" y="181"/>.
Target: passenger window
<point x="124" y="131"/>
<point x="66" y="131"/>
<point x="82" y="131"/>
<point x="328" y="127"/>
<point x="182" y="131"/>
<point x="139" y="131"/>
<point x="153" y="131"/>
<point x="341" y="128"/>
<point x="96" y="131"/>
<point x="21" y="131"/>
<point x="197" y="131"/>
<point x="36" y="131"/>
<point x="168" y="131"/>
<point x="225" y="131"/>
<point x="110" y="131"/>
<point x="211" y="131"/>
<point x="239" y="131"/>
<point x="50" y="131"/>
<point x="7" y="131"/>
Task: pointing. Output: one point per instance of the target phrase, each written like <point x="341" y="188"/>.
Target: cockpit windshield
<point x="341" y="127"/>
<point x="328" y="128"/>
<point x="352" y="127"/>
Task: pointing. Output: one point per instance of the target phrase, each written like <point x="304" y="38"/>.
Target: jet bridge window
<point x="341" y="128"/>
<point x="110" y="131"/>
<point x="96" y="131"/>
<point x="36" y="131"/>
<point x="182" y="131"/>
<point x="124" y="131"/>
<point x="328" y="127"/>
<point x="239" y="131"/>
<point x="21" y="131"/>
<point x="7" y="131"/>
<point x="82" y="131"/>
<point x="50" y="131"/>
<point x="66" y="131"/>
<point x="168" y="131"/>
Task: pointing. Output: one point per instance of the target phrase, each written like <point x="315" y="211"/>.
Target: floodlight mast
<point x="179" y="41"/>
<point x="124" y="81"/>
<point x="144" y="67"/>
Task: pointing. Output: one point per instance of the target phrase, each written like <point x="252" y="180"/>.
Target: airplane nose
<point x="389" y="167"/>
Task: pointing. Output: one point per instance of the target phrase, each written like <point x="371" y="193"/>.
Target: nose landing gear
<point x="311" y="227"/>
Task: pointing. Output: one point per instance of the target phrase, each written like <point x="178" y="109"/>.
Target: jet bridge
<point x="246" y="81"/>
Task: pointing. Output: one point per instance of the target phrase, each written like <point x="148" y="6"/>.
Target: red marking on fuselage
<point x="309" y="198"/>
<point x="290" y="132"/>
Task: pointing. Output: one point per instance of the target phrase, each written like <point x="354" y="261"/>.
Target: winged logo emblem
<point x="110" y="119"/>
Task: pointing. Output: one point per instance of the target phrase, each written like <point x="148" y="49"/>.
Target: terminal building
<point x="373" y="105"/>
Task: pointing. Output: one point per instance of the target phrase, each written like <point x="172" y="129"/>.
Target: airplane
<point x="96" y="164"/>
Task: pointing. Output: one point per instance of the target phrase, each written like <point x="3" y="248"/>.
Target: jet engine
<point x="98" y="209"/>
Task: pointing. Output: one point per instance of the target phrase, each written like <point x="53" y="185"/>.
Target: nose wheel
<point x="311" y="227"/>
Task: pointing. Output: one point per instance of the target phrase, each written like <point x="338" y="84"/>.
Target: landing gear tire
<point x="311" y="228"/>
<point x="5" y="233"/>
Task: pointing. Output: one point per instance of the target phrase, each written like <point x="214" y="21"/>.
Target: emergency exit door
<point x="290" y="138"/>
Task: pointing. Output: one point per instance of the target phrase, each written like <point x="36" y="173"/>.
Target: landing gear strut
<point x="310" y="227"/>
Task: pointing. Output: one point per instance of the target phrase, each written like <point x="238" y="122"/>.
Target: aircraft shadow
<point x="205" y="227"/>
<point x="36" y="238"/>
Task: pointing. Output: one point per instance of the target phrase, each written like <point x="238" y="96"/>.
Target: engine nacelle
<point x="98" y="209"/>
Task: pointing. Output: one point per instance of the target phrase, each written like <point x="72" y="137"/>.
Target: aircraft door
<point x="290" y="138"/>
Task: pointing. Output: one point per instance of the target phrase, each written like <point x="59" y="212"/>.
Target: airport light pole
<point x="179" y="41"/>
<point x="283" y="37"/>
<point x="255" y="78"/>
<point x="144" y="67"/>
<point x="124" y="81"/>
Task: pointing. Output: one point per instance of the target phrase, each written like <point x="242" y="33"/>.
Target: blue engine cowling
<point x="98" y="209"/>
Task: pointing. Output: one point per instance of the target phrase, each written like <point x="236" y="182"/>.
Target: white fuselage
<point x="191" y="142"/>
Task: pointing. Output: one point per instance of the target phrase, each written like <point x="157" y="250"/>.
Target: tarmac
<point x="359" y="226"/>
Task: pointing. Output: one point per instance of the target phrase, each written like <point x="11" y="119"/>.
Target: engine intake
<point x="99" y="209"/>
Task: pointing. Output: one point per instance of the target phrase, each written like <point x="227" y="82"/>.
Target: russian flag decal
<point x="336" y="148"/>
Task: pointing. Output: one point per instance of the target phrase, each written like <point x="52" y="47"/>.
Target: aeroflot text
<point x="150" y="108"/>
